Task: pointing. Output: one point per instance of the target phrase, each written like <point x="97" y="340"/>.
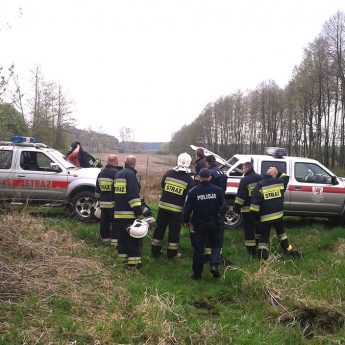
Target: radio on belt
<point x="18" y="139"/>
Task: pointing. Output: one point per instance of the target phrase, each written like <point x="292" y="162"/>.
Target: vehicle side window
<point x="311" y="173"/>
<point x="238" y="171"/>
<point x="280" y="165"/>
<point x="35" y="161"/>
<point x="5" y="159"/>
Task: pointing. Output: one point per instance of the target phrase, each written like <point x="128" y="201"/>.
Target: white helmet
<point x="97" y="212"/>
<point x="138" y="229"/>
<point x="183" y="162"/>
<point x="150" y="221"/>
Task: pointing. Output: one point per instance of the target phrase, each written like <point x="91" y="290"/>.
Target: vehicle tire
<point x="230" y="222"/>
<point x="83" y="205"/>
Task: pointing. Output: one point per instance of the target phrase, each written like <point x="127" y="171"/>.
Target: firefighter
<point x="127" y="209"/>
<point x="200" y="162"/>
<point x="205" y="203"/>
<point x="175" y="184"/>
<point x="267" y="205"/>
<point x="242" y="205"/>
<point x="105" y="194"/>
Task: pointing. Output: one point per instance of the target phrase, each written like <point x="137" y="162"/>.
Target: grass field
<point x="60" y="285"/>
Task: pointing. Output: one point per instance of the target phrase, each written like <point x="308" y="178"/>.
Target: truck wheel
<point x="230" y="222"/>
<point x="83" y="205"/>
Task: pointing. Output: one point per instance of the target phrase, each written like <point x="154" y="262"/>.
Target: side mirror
<point x="55" y="167"/>
<point x="334" y="180"/>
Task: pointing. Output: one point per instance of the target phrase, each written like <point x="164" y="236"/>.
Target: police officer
<point x="105" y="194"/>
<point x="175" y="184"/>
<point x="219" y="179"/>
<point x="204" y="202"/>
<point x="200" y="162"/>
<point x="127" y="209"/>
<point x="242" y="205"/>
<point x="267" y="206"/>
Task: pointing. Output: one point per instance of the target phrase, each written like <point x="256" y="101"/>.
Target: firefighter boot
<point x="156" y="248"/>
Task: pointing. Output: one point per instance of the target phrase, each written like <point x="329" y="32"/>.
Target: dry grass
<point x="165" y="326"/>
<point x="37" y="263"/>
<point x="340" y="247"/>
<point x="285" y="293"/>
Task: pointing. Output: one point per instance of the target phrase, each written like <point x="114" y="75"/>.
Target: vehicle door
<point x="37" y="180"/>
<point x="235" y="174"/>
<point x="282" y="166"/>
<point x="6" y="172"/>
<point x="312" y="190"/>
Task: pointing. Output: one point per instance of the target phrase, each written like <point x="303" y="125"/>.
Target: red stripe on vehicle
<point x="35" y="184"/>
<point x="309" y="189"/>
<point x="59" y="184"/>
<point x="334" y="190"/>
<point x="233" y="184"/>
<point x="300" y="188"/>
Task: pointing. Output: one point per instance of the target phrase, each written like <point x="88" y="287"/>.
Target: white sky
<point x="152" y="65"/>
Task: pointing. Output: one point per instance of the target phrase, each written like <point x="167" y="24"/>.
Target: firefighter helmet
<point x="150" y="221"/>
<point x="183" y="162"/>
<point x="138" y="229"/>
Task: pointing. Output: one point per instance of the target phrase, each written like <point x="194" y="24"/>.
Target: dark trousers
<point x="166" y="219"/>
<point x="207" y="250"/>
<point x="264" y="237"/>
<point x="198" y="238"/>
<point x="251" y="232"/>
<point x="106" y="225"/>
<point x="129" y="248"/>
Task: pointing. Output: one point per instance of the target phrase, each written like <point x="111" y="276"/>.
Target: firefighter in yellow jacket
<point x="267" y="208"/>
<point x="127" y="209"/>
<point x="175" y="184"/>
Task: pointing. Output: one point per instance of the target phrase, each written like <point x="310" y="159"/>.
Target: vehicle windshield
<point x="233" y="160"/>
<point x="62" y="159"/>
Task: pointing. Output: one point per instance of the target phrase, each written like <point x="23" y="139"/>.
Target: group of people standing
<point x="198" y="203"/>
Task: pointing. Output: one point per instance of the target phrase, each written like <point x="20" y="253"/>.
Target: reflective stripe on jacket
<point x="175" y="185"/>
<point x="268" y="198"/>
<point x="127" y="198"/>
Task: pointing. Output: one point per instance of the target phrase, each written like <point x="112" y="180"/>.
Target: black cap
<point x="210" y="159"/>
<point x="204" y="172"/>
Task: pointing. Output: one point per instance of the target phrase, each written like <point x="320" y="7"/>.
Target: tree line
<point x="307" y="116"/>
<point x="44" y="112"/>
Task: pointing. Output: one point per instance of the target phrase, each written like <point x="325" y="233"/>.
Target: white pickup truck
<point x="313" y="190"/>
<point x="32" y="173"/>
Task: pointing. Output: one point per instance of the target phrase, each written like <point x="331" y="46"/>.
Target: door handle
<point x="21" y="175"/>
<point x="298" y="187"/>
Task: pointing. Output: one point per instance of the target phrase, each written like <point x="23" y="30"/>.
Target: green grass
<point x="161" y="305"/>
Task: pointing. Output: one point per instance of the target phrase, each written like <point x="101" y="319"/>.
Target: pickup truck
<point x="313" y="190"/>
<point x="33" y="173"/>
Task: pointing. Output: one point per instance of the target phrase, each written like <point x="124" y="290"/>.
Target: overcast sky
<point x="152" y="65"/>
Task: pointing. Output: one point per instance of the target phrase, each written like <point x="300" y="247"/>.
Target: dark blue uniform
<point x="105" y="194"/>
<point x="242" y="204"/>
<point x="219" y="178"/>
<point x="267" y="207"/>
<point x="127" y="208"/>
<point x="204" y="204"/>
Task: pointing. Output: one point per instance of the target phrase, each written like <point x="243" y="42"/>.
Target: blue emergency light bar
<point x="18" y="139"/>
